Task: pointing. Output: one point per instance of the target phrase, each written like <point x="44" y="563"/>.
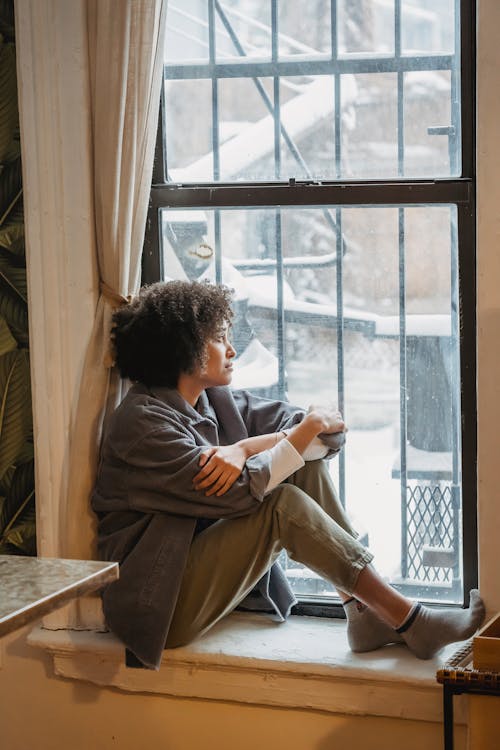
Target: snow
<point x="263" y="293"/>
<point x="300" y="115"/>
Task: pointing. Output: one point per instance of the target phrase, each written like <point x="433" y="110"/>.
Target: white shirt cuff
<point x="315" y="450"/>
<point x="285" y="460"/>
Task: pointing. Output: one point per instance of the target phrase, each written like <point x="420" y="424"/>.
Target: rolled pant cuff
<point x="357" y="566"/>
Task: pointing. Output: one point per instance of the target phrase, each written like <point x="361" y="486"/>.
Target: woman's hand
<point x="329" y="417"/>
<point x="326" y="419"/>
<point x="221" y="467"/>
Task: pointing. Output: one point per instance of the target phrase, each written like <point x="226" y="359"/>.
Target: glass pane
<point x="186" y="38"/>
<point x="399" y="113"/>
<point x="308" y="128"/>
<point x="372" y="375"/>
<point x="430" y="138"/>
<point x="427" y="26"/>
<point x="433" y="434"/>
<point x="369" y="125"/>
<point x="402" y="480"/>
<point x="243" y="30"/>
<point x="365" y="27"/>
<point x="312" y="39"/>
<point x="246" y="130"/>
<point x="189" y="139"/>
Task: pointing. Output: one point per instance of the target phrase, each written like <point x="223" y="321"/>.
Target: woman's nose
<point x="231" y="351"/>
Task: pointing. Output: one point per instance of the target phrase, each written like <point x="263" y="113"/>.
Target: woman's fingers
<point x="206" y="461"/>
<point x="338" y="425"/>
<point x="207" y="480"/>
<point x="229" y="483"/>
<point x="219" y="469"/>
<point x="215" y="464"/>
<point x="206" y="455"/>
<point x="219" y="481"/>
<point x="332" y="416"/>
<point x="222" y="485"/>
<point x="217" y="473"/>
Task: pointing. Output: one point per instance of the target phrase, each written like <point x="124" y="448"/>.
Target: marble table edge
<point x="84" y="585"/>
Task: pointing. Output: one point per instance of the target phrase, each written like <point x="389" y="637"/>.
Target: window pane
<point x="189" y="137"/>
<point x="365" y="26"/>
<point x="370" y="125"/>
<point x="430" y="139"/>
<point x="312" y="39"/>
<point x="427" y="26"/>
<point x="186" y="37"/>
<point x="308" y="133"/>
<point x="295" y="338"/>
<point x="398" y="113"/>
<point x="246" y="130"/>
<point x="243" y="28"/>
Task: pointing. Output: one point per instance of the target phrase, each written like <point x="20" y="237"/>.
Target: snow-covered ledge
<point x="302" y="663"/>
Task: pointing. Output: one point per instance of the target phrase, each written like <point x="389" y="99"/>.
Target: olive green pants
<point x="302" y="516"/>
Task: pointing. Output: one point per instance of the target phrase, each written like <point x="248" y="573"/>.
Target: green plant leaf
<point x="21" y="538"/>
<point x="17" y="494"/>
<point x="7" y="19"/>
<point x="14" y="276"/>
<point x="7" y="340"/>
<point x="12" y="228"/>
<point x="26" y="454"/>
<point x="18" y="498"/>
<point x="17" y="512"/>
<point x="15" y="209"/>
<point x="15" y="406"/>
<point x="9" y="118"/>
<point x="13" y="306"/>
<point x="6" y="480"/>
<point x="10" y="185"/>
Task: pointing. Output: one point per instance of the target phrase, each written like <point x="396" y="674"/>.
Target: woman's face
<point x="218" y="368"/>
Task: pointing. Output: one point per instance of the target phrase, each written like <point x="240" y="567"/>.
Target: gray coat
<point x="148" y="509"/>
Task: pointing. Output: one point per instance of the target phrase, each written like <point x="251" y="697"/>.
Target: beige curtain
<point x="125" y="48"/>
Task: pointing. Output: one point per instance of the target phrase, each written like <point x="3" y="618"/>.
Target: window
<point x="318" y="157"/>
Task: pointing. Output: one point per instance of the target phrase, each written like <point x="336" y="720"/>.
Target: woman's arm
<point x="222" y="465"/>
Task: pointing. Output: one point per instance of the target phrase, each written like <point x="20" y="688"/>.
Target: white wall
<point x="484" y="720"/>
<point x="488" y="294"/>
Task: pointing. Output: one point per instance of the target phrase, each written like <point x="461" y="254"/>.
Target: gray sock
<point x="425" y="631"/>
<point x="365" y="631"/>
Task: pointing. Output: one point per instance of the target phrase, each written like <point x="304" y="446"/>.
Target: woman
<point x="200" y="488"/>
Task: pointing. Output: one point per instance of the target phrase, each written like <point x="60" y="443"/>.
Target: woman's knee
<point x="290" y="499"/>
<point x="314" y="478"/>
<point x="317" y="467"/>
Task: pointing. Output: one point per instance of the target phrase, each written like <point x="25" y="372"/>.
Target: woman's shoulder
<point x="141" y="412"/>
<point x="141" y="400"/>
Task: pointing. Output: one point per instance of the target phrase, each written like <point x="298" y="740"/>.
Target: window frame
<point x="396" y="192"/>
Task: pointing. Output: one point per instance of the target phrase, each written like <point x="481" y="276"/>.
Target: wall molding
<point x="304" y="663"/>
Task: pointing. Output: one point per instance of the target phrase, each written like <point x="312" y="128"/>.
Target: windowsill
<point x="303" y="663"/>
